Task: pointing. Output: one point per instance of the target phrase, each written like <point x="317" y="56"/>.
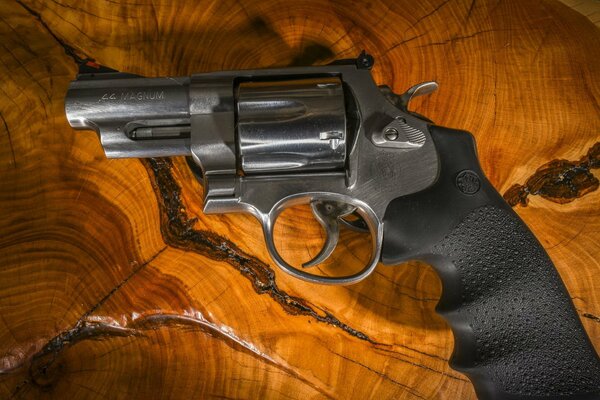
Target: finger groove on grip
<point x="525" y="335"/>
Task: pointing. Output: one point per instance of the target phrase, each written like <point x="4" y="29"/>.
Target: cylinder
<point x="292" y="125"/>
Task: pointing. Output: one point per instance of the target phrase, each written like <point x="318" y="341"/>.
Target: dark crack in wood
<point x="123" y="282"/>
<point x="404" y="41"/>
<point x="453" y="39"/>
<point x="429" y="14"/>
<point x="395" y="356"/>
<point x="83" y="11"/>
<point x="592" y="317"/>
<point x="470" y="11"/>
<point x="69" y="50"/>
<point x="10" y="143"/>
<point x="560" y="181"/>
<point x="380" y="374"/>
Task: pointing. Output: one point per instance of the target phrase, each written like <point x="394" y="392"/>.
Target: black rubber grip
<point x="516" y="332"/>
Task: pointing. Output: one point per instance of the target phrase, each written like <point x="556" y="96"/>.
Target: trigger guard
<point x="373" y="223"/>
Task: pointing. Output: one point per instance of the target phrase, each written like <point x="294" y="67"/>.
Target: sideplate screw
<point x="391" y="134"/>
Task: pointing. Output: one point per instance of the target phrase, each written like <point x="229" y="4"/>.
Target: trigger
<point x="355" y="222"/>
<point x="328" y="213"/>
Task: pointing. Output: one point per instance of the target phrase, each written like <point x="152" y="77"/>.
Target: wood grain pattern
<point x="113" y="284"/>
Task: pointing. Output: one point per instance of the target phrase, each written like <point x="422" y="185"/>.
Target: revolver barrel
<point x="134" y="116"/>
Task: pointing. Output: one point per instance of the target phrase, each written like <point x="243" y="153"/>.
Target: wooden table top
<point x="114" y="284"/>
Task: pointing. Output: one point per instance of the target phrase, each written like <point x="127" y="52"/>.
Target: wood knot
<point x="46" y="369"/>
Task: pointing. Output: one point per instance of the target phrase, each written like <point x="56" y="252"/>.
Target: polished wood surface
<point x="113" y="284"/>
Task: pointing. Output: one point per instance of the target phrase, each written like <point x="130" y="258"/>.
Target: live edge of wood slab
<point x="113" y="284"/>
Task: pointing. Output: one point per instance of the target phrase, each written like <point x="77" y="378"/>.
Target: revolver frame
<point x="388" y="150"/>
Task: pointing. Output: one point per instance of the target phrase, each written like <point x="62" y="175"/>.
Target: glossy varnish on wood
<point x="113" y="284"/>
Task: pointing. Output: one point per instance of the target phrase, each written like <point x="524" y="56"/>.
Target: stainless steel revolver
<point x="328" y="136"/>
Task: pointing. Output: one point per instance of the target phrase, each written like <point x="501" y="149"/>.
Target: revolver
<point x="329" y="136"/>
